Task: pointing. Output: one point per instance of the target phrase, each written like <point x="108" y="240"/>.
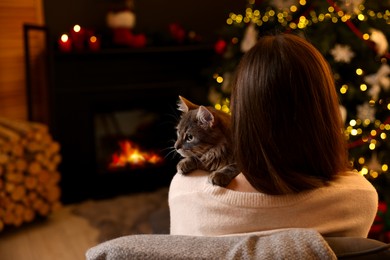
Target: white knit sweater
<point x="346" y="207"/>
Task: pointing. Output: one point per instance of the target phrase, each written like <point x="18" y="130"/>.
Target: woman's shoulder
<point x="188" y="183"/>
<point x="352" y="180"/>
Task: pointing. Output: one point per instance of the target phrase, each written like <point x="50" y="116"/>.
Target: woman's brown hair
<point x="286" y="121"/>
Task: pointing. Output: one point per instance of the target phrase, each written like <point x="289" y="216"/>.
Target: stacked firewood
<point x="28" y="172"/>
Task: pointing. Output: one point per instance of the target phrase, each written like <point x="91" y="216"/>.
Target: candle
<point x="94" y="43"/>
<point x="78" y="37"/>
<point x="65" y="43"/>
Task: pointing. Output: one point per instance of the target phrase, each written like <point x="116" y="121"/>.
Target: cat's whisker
<point x="173" y="151"/>
<point x="166" y="148"/>
<point x="169" y="147"/>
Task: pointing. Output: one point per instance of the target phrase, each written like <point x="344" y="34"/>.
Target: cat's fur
<point x="204" y="140"/>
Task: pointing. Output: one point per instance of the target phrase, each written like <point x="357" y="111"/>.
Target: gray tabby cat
<point x="204" y="140"/>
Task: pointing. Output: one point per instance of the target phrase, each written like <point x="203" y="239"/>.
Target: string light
<point x="374" y="174"/>
<point x="364" y="170"/>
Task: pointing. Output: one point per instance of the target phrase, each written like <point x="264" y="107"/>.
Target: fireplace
<point x="129" y="140"/>
<point x="106" y="103"/>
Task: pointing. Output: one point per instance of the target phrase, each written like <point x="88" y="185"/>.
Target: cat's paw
<point x="185" y="166"/>
<point x="220" y="179"/>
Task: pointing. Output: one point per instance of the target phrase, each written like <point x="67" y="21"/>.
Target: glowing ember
<point x="130" y="154"/>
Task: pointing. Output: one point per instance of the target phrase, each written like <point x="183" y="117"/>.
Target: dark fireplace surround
<point x="90" y="85"/>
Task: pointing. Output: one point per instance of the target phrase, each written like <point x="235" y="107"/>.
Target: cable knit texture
<point x="278" y="244"/>
<point x="346" y="207"/>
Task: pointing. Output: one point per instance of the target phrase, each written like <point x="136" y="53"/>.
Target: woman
<point x="290" y="148"/>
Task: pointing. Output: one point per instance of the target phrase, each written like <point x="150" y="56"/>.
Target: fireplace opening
<point x="132" y="145"/>
<point x="130" y="140"/>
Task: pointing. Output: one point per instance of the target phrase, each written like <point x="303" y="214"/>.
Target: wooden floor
<point x="63" y="236"/>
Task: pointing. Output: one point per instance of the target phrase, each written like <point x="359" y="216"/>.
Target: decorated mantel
<point x="121" y="32"/>
<point x="353" y="37"/>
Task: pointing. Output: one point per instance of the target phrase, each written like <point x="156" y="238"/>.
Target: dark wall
<point x="204" y="17"/>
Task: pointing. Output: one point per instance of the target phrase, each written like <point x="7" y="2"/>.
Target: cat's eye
<point x="189" y="138"/>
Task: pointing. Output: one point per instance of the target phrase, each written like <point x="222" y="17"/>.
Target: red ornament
<point x="177" y="32"/>
<point x="124" y="37"/>
<point x="139" y="41"/>
<point x="220" y="46"/>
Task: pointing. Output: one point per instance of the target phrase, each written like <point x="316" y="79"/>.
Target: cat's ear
<point x="184" y="105"/>
<point x="205" y="117"/>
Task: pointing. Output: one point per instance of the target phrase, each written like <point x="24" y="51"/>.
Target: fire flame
<point x="130" y="154"/>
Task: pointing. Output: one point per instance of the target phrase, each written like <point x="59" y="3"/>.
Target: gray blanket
<point x="278" y="244"/>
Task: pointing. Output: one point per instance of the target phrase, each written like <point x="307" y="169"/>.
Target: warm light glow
<point x="293" y="8"/>
<point x="344" y="18"/>
<point x="385" y="167"/>
<point x="361" y="160"/>
<point x="364" y="171"/>
<point x="374" y="174"/>
<point x="293" y="25"/>
<point x="225" y="109"/>
<point x="239" y="18"/>
<point x="64" y="38"/>
<point x="131" y="155"/>
<point x="77" y="28"/>
<point x="235" y="40"/>
<point x="366" y="36"/>
<point x="219" y="79"/>
<point x="343" y="89"/>
<point x="366" y="122"/>
<point x="352" y="122"/>
<point x="359" y="72"/>
<point x="93" y="39"/>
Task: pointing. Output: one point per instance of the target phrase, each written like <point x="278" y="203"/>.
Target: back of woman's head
<point x="287" y="127"/>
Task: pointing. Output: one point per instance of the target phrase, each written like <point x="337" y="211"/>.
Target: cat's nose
<point x="177" y="145"/>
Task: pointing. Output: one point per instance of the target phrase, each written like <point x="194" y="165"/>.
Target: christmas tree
<point x="351" y="35"/>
